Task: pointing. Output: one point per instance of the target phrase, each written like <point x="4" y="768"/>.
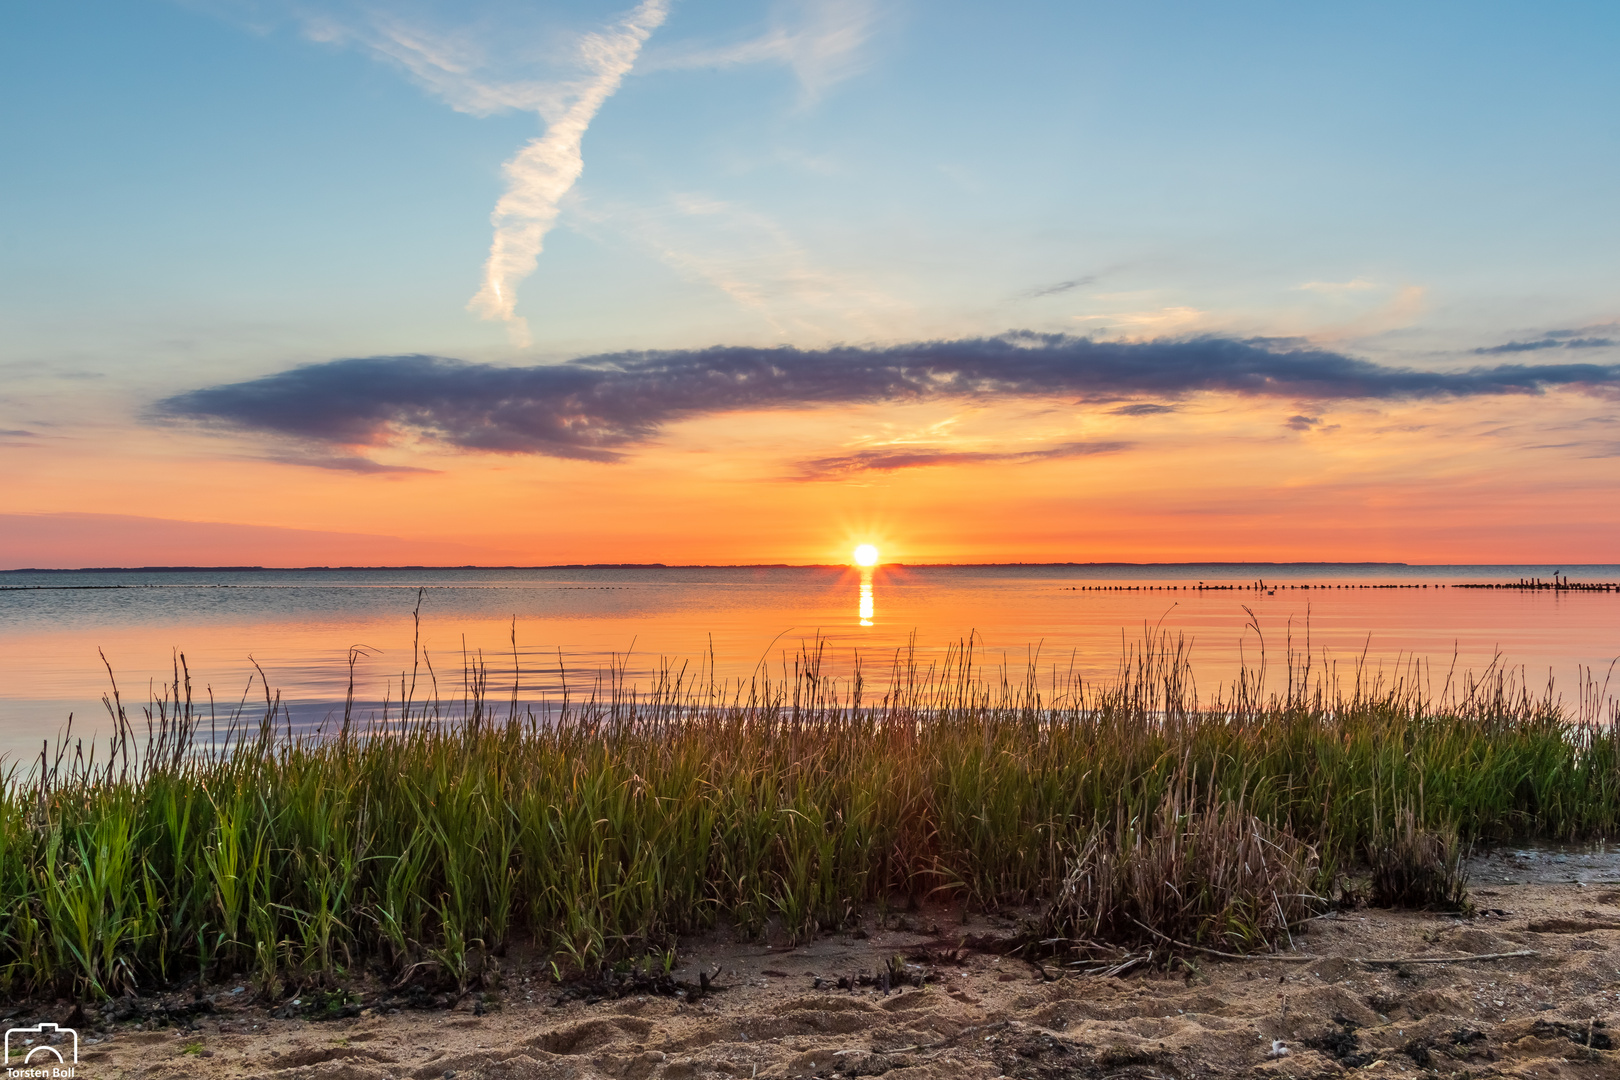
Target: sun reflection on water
<point x="867" y="607"/>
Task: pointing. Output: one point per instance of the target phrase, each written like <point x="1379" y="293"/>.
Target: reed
<point x="1416" y="867"/>
<point x="1188" y="879"/>
<point x="419" y="843"/>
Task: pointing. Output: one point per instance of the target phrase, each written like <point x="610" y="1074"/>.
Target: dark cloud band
<point x="593" y="407"/>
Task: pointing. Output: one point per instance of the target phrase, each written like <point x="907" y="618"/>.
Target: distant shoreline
<point x="1124" y="570"/>
<point x="710" y="566"/>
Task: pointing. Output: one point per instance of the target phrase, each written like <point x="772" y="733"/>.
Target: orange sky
<point x="1495" y="479"/>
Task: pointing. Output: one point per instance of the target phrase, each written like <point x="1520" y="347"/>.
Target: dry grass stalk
<point x="1415" y="867"/>
<point x="1210" y="877"/>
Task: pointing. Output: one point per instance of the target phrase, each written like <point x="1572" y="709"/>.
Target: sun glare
<point x="866" y="555"/>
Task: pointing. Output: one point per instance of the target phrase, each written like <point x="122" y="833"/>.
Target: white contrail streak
<point x="543" y="171"/>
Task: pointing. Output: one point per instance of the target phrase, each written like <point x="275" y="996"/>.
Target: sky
<point x="305" y="283"/>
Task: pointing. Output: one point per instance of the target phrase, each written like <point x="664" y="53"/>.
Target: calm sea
<point x="299" y="626"/>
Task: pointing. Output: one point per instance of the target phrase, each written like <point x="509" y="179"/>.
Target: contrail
<point x="543" y="171"/>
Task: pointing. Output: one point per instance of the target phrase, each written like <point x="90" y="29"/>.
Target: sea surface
<point x="539" y="629"/>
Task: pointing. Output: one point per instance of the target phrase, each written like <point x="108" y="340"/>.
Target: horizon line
<point x="753" y="566"/>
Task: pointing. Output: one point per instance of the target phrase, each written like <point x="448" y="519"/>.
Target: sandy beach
<point x="778" y="1011"/>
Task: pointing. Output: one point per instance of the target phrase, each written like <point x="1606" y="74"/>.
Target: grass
<point x="1216" y="878"/>
<point x="1416" y="867"/>
<point x="418" y="846"/>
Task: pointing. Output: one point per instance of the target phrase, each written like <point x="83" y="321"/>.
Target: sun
<point x="866" y="555"/>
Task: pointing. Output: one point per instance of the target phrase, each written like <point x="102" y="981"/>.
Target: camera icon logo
<point x="27" y="1043"/>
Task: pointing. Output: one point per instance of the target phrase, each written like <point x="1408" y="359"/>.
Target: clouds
<point x="1058" y="288"/>
<point x="893" y="458"/>
<point x="485" y="60"/>
<point x="344" y="462"/>
<point x="543" y="171"/>
<point x="1142" y="408"/>
<point x="759" y="265"/>
<point x="1554" y="339"/>
<point x="595" y="408"/>
<point x="463" y="64"/>
<point x="14" y="438"/>
<point x="822" y="41"/>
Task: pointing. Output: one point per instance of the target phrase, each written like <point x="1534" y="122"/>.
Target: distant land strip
<point x="661" y="566"/>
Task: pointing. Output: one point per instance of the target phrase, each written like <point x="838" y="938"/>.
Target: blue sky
<point x="188" y="171"/>
<point x="214" y="191"/>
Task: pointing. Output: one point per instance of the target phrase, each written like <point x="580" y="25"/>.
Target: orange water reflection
<point x="754" y="620"/>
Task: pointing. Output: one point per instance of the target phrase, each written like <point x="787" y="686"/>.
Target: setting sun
<point x="866" y="555"/>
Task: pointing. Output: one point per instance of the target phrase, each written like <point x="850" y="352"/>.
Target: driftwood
<point x="1129" y="959"/>
<point x="1287" y="958"/>
<point x="1446" y="959"/>
<point x="1373" y="961"/>
<point x="1301" y="958"/>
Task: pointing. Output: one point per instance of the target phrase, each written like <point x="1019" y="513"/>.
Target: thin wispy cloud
<point x="1061" y="287"/>
<point x="1554" y="339"/>
<point x="597" y="407"/>
<point x="822" y="41"/>
<point x="1152" y="323"/>
<point x="456" y="64"/>
<point x="480" y="57"/>
<point x="893" y="459"/>
<point x="543" y="171"/>
<point x="758" y="264"/>
<point x="1142" y="408"/>
<point x="341" y="462"/>
<point x="1400" y="311"/>
<point x="18" y="438"/>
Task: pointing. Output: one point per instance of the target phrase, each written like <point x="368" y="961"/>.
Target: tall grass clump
<point x="1417" y="867"/>
<point x="417" y="844"/>
<point x="1214" y="879"/>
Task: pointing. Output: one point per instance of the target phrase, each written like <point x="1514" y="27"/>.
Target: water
<point x="1545" y="864"/>
<point x="299" y="626"/>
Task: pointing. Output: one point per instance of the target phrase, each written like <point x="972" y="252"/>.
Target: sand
<point x="1554" y="1014"/>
